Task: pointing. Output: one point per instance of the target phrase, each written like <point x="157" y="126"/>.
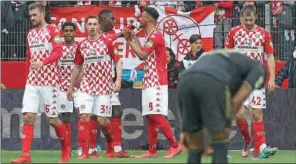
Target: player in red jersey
<point x="155" y="83"/>
<point x="255" y="42"/>
<point x="66" y="66"/>
<point x="95" y="54"/>
<point x="107" y="23"/>
<point x="43" y="50"/>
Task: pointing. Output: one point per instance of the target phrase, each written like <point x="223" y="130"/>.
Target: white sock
<point x="117" y="149"/>
<point x="262" y="147"/>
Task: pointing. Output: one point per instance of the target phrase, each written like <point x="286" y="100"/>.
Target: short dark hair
<point x="193" y="38"/>
<point x="92" y="17"/>
<point x="152" y="12"/>
<point x="68" y="24"/>
<point x="171" y="52"/>
<point x="36" y="6"/>
<point x="248" y="10"/>
<point x="104" y="12"/>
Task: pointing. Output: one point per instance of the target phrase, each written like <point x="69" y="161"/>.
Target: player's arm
<point x="117" y="58"/>
<point x="56" y="41"/>
<point x="78" y="61"/>
<point x="268" y="48"/>
<point x="229" y="42"/>
<point x="28" y="59"/>
<point x="255" y="76"/>
<point x="142" y="53"/>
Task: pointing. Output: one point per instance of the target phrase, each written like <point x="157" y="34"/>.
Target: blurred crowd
<point x="278" y="16"/>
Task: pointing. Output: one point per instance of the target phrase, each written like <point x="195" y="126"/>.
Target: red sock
<point x="68" y="129"/>
<point x="107" y="131"/>
<point x="27" y="137"/>
<point x="152" y="135"/>
<point x="83" y="135"/>
<point x="93" y="134"/>
<point x="117" y="132"/>
<point x="62" y="135"/>
<point x="259" y="135"/>
<point x="166" y="129"/>
<point x="244" y="128"/>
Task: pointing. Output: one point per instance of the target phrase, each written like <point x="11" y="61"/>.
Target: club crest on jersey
<point x="101" y="45"/>
<point x="57" y="39"/>
<point x="92" y="52"/>
<point x="70" y="55"/>
<point x="248" y="41"/>
<point x="149" y="44"/>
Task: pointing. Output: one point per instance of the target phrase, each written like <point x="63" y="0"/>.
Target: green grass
<point x="53" y="157"/>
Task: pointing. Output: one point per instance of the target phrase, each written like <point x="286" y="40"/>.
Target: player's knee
<point x="240" y="115"/>
<point x="93" y="117"/>
<point x="29" y="118"/>
<point x="196" y="141"/>
<point x="257" y="115"/>
<point x="84" y="117"/>
<point x="116" y="111"/>
<point x="102" y="121"/>
<point x="222" y="135"/>
<point x="53" y="121"/>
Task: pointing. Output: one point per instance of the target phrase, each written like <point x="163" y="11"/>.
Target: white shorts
<point x="92" y="104"/>
<point x="64" y="105"/>
<point x="155" y="100"/>
<point x="115" y="99"/>
<point x="45" y="97"/>
<point x="256" y="99"/>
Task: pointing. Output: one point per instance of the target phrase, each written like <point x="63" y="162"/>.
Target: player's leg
<point x="116" y="127"/>
<point x="243" y="126"/>
<point x="93" y="134"/>
<point x="192" y="126"/>
<point x="50" y="95"/>
<point x="258" y="103"/>
<point x="215" y="102"/>
<point x="30" y="108"/>
<point x="102" y="109"/>
<point x="65" y="109"/>
<point x="84" y="102"/>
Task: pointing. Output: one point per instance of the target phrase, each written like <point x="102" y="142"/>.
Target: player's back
<point x="228" y="67"/>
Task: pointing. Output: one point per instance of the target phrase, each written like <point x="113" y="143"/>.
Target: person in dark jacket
<point x="194" y="54"/>
<point x="173" y="68"/>
<point x="288" y="71"/>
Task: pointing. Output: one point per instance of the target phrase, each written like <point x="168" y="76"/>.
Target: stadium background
<point x="280" y="115"/>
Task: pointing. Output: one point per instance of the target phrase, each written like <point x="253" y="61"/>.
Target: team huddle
<point x="86" y="75"/>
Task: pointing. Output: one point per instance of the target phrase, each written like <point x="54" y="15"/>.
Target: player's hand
<point x="37" y="65"/>
<point x="117" y="86"/>
<point x="248" y="4"/>
<point x="216" y="5"/>
<point x="70" y="94"/>
<point x="127" y="34"/>
<point x="183" y="140"/>
<point x="271" y="85"/>
<point x="3" y="87"/>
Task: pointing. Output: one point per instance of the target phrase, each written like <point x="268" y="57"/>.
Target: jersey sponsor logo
<point x="57" y="39"/>
<point x="149" y="44"/>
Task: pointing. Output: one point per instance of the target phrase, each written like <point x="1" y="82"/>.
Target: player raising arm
<point x="155" y="83"/>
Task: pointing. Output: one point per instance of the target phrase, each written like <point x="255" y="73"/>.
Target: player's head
<point x="150" y="15"/>
<point x="36" y="14"/>
<point x="248" y="16"/>
<point x="169" y="54"/>
<point x="107" y="20"/>
<point x="92" y="25"/>
<point x="68" y="30"/>
<point x="195" y="41"/>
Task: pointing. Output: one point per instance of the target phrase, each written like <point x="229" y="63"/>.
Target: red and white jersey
<point x="66" y="65"/>
<point x="155" y="66"/>
<point x="254" y="43"/>
<point x="96" y="56"/>
<point x="44" y="45"/>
